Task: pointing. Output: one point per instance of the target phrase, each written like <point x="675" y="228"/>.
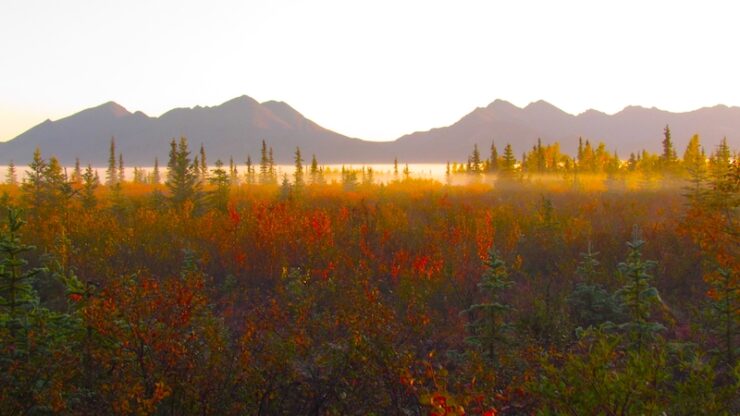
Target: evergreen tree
<point x="285" y="188"/>
<point x="368" y="176"/>
<point x="250" y="171"/>
<point x="17" y="294"/>
<point x="121" y="171"/>
<point x="111" y="174"/>
<point x="233" y="172"/>
<point x="395" y="167"/>
<point x="11" y="177"/>
<point x="590" y="303"/>
<point x="314" y="172"/>
<point x="77" y="173"/>
<point x="539" y="157"/>
<point x="475" y="162"/>
<point x="264" y="165"/>
<point x="272" y="169"/>
<point x="724" y="310"/>
<point x="182" y="180"/>
<point x="668" y="157"/>
<point x="588" y="162"/>
<point x="720" y="162"/>
<point x="203" y="164"/>
<point x="222" y="183"/>
<point x="156" y="177"/>
<point x="298" y="174"/>
<point x="493" y="161"/>
<point x="637" y="295"/>
<point x="349" y="179"/>
<point x="488" y="327"/>
<point x="34" y="183"/>
<point x="89" y="184"/>
<point x="36" y="342"/>
<point x="509" y="161"/>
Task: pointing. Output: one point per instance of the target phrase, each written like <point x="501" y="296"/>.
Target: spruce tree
<point x="17" y="294"/>
<point x="406" y="172"/>
<point x="540" y="157"/>
<point x="314" y="172"/>
<point x="298" y="174"/>
<point x="668" y="157"/>
<point x="493" y="161"/>
<point x="250" y="170"/>
<point x="369" y="177"/>
<point x="34" y="183"/>
<point x="721" y="161"/>
<point x="121" y="171"/>
<point x="203" y="164"/>
<point x="272" y="168"/>
<point x="89" y="184"/>
<point x="264" y="165"/>
<point x="488" y="326"/>
<point x="182" y="180"/>
<point x="591" y="304"/>
<point x="11" y="176"/>
<point x="285" y="188"/>
<point x="233" y="172"/>
<point x="77" y="173"/>
<point x="156" y="177"/>
<point x="725" y="314"/>
<point x="694" y="162"/>
<point x="111" y="174"/>
<point x="220" y="179"/>
<point x="638" y="296"/>
<point x="509" y="161"/>
<point x="475" y="162"/>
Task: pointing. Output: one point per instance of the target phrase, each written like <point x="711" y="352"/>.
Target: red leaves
<point x="234" y="216"/>
<point x="75" y="297"/>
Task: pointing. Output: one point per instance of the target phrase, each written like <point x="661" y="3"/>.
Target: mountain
<point x="234" y="128"/>
<point x="630" y="130"/>
<point x="237" y="127"/>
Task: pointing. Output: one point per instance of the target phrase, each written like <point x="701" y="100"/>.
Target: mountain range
<point x="237" y="127"/>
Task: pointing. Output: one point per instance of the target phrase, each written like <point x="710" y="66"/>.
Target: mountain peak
<point x="113" y="108"/>
<point x="542" y="108"/>
<point x="240" y="100"/>
<point x="541" y="105"/>
<point x="502" y="105"/>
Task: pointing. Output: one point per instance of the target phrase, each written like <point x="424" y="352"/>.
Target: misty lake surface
<point x="382" y="172"/>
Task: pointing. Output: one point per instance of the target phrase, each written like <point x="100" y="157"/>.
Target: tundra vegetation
<point x="550" y="284"/>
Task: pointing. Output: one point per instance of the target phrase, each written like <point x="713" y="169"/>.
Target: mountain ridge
<point x="236" y="127"/>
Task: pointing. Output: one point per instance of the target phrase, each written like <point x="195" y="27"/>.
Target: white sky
<point x="369" y="69"/>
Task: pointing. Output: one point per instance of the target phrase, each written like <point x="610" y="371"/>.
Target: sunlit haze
<point x="375" y="69"/>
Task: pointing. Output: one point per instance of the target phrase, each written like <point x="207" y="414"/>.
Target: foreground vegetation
<point x="605" y="290"/>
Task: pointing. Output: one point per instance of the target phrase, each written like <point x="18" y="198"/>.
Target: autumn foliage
<point x="407" y="297"/>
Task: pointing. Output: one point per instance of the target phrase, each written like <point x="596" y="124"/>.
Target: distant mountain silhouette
<point x="630" y="130"/>
<point x="237" y="127"/>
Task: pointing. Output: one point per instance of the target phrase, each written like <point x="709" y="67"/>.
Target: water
<point x="382" y="172"/>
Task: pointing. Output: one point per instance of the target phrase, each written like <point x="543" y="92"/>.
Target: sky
<point x="369" y="69"/>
